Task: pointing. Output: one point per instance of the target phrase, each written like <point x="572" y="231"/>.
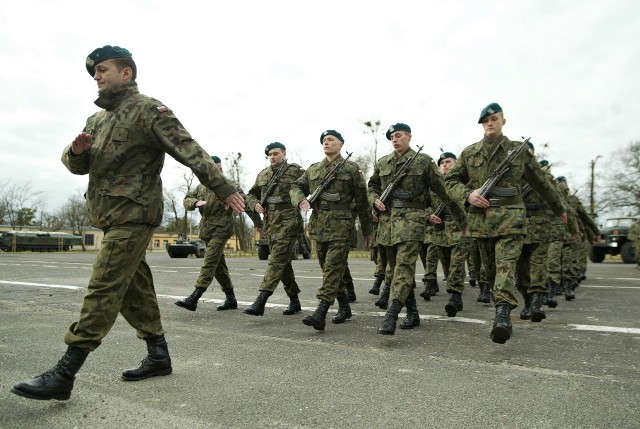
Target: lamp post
<point x="592" y="204"/>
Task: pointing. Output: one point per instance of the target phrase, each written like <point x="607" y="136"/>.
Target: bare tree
<point x="18" y="203"/>
<point x="242" y="226"/>
<point x="365" y="162"/>
<point x="74" y="213"/>
<point x="373" y="128"/>
<point x="622" y="187"/>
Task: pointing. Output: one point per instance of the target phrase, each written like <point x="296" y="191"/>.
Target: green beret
<point x="560" y="179"/>
<point x="445" y="155"/>
<point x="543" y="163"/>
<point x="216" y="159"/>
<point x="331" y="133"/>
<point x="397" y="127"/>
<point x="489" y="110"/>
<point x="105" y="53"/>
<point x="274" y="145"/>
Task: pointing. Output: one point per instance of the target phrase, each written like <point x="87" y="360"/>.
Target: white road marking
<point x="604" y="329"/>
<point x="40" y="285"/>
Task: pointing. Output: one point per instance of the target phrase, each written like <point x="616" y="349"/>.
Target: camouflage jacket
<point x="332" y="217"/>
<point x="130" y="138"/>
<point x="408" y="223"/>
<point x="506" y="216"/>
<point x="540" y="218"/>
<point x="449" y="232"/>
<point x="634" y="233"/>
<point x="216" y="221"/>
<point x="281" y="218"/>
<point x="588" y="227"/>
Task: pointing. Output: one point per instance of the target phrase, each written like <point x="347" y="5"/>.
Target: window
<point x="89" y="239"/>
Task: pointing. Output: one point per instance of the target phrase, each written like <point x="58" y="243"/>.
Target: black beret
<point x="105" y="53"/>
<point x="274" y="145"/>
<point x="216" y="159"/>
<point x="397" y="127"/>
<point x="531" y="146"/>
<point x="445" y="155"/>
<point x="331" y="133"/>
<point x="489" y="110"/>
<point x="543" y="163"/>
<point x="560" y="179"/>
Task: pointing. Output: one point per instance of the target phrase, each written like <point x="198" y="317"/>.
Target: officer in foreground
<point x="122" y="149"/>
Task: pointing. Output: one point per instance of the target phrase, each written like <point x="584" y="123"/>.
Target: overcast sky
<point x="242" y="74"/>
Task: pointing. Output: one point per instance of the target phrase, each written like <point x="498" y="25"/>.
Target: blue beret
<point x="274" y="145"/>
<point x="445" y="155"/>
<point x="543" y="163"/>
<point x="489" y="110"/>
<point x="397" y="127"/>
<point x="105" y="53"/>
<point x="331" y="133"/>
<point x="560" y="179"/>
<point x="216" y="159"/>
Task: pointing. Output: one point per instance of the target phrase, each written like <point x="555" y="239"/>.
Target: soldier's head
<point x="562" y="182"/>
<point x="544" y="165"/>
<point x="446" y="161"/>
<point x="332" y="143"/>
<point x="400" y="137"/>
<point x="276" y="152"/>
<point x="111" y="66"/>
<point x="217" y="161"/>
<point x="492" y="120"/>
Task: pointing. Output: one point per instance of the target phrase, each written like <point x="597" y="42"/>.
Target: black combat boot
<point x="383" y="301"/>
<point x="433" y="287"/>
<point x="502" y="329"/>
<point x="472" y="280"/>
<point x="525" y="314"/>
<point x="569" y="294"/>
<point x="484" y="295"/>
<point x="388" y="325"/>
<point x="552" y="302"/>
<point x="413" y="318"/>
<point x="454" y="305"/>
<point x="157" y="361"/>
<point x="426" y="293"/>
<point x="537" y="313"/>
<point x="318" y="318"/>
<point x="191" y="302"/>
<point x="375" y="289"/>
<point x="351" y="292"/>
<point x="344" y="311"/>
<point x="230" y="302"/>
<point x="294" y="306"/>
<point x="56" y="383"/>
<point x="257" y="308"/>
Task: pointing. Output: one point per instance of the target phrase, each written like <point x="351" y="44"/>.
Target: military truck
<point x="301" y="247"/>
<point x="613" y="240"/>
<point x="183" y="248"/>
<point x="38" y="241"/>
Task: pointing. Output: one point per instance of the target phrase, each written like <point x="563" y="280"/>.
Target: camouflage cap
<point x="397" y="127"/>
<point x="445" y="155"/>
<point x="489" y="110"/>
<point x="216" y="159"/>
<point x="274" y="145"/>
<point x="107" y="52"/>
<point x="331" y="133"/>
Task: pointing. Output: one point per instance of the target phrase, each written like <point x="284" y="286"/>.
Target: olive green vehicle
<point x="614" y="240"/>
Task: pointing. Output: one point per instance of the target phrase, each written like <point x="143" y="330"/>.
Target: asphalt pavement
<point x="579" y="368"/>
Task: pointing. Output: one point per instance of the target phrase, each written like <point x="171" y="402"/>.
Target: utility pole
<point x="592" y="204"/>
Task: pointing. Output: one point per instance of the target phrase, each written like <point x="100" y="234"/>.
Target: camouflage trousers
<point x="584" y="255"/>
<point x="437" y="253"/>
<point x="457" y="261"/>
<point x="381" y="261"/>
<point x="499" y="257"/>
<point x="401" y="259"/>
<point x="474" y="262"/>
<point x="554" y="262"/>
<point x="531" y="269"/>
<point x="332" y="256"/>
<point x="279" y="267"/>
<point x="570" y="260"/>
<point x="215" y="266"/>
<point x="120" y="283"/>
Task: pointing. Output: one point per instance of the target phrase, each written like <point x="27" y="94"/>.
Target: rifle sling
<point x="281" y="206"/>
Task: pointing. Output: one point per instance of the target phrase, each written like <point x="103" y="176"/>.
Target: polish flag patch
<point x="162" y="109"/>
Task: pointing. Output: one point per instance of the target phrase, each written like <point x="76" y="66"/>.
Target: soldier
<point x="331" y="223"/>
<point x="403" y="219"/>
<point x="377" y="256"/>
<point x="216" y="227"/>
<point x="634" y="235"/>
<point x="497" y="221"/>
<point x="122" y="148"/>
<point x="282" y="223"/>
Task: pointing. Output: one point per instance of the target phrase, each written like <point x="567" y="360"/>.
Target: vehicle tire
<point x="596" y="255"/>
<point x="627" y="253"/>
<point x="263" y="252"/>
<point x="171" y="255"/>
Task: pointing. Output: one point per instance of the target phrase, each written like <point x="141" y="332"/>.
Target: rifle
<point x="328" y="178"/>
<point x="272" y="183"/>
<point x="501" y="170"/>
<point x="397" y="178"/>
<point x="527" y="187"/>
<point x="438" y="212"/>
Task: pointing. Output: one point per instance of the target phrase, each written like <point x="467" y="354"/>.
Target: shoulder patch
<point x="162" y="109"/>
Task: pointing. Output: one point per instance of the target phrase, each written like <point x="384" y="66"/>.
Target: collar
<point x="110" y="98"/>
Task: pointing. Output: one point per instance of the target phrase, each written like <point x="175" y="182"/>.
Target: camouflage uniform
<point x="500" y="229"/>
<point x="124" y="199"/>
<point x="331" y="224"/>
<point x="282" y="223"/>
<point x="634" y="235"/>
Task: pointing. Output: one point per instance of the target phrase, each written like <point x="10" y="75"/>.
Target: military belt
<point x="402" y="204"/>
<point x="498" y="202"/>
<point x="503" y="192"/>
<point x="330" y="206"/>
<point x="282" y="206"/>
<point x="279" y="199"/>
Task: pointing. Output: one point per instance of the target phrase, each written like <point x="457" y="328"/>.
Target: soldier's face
<point x="331" y="145"/>
<point x="446" y="164"/>
<point x="107" y="75"/>
<point x="492" y="124"/>
<point x="400" y="141"/>
<point x="276" y="156"/>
